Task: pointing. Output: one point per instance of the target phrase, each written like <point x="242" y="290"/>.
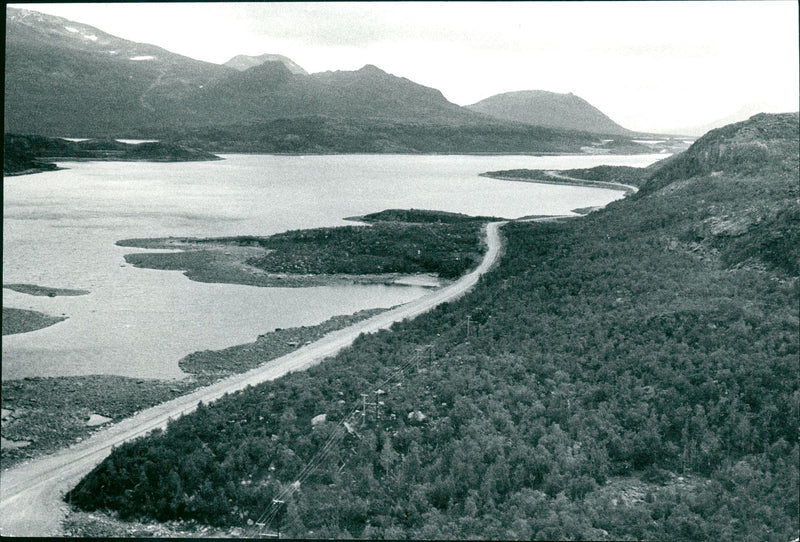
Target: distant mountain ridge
<point x="551" y="109"/>
<point x="68" y="79"/>
<point x="245" y="62"/>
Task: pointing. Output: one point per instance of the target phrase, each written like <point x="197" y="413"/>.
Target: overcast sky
<point x="650" y="66"/>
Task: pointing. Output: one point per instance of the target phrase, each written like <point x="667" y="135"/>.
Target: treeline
<point x="422" y="216"/>
<point x="330" y="134"/>
<point x="611" y="379"/>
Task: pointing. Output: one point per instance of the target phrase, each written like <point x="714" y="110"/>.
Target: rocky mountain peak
<point x="245" y="62"/>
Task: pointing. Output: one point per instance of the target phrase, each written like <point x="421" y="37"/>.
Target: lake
<point x="59" y="230"/>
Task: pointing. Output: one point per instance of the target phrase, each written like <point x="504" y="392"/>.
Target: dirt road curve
<point x="31" y="494"/>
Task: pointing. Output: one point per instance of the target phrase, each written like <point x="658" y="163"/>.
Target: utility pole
<point x="279" y="516"/>
<point x="364" y="405"/>
<point x="468" y="320"/>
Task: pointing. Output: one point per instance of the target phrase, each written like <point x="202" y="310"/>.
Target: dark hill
<point x="749" y="169"/>
<point x="543" y="108"/>
<point x="745" y="176"/>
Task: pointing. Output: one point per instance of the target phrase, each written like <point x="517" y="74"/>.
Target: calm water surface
<point x="59" y="230"/>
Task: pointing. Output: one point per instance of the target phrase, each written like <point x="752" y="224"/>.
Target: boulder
<point x="319" y="419"/>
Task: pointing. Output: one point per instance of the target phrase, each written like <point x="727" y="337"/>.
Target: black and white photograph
<point x="454" y="270"/>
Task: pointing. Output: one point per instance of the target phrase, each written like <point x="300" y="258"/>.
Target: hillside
<point x="626" y="375"/>
<point x="543" y="108"/>
<point x="64" y="78"/>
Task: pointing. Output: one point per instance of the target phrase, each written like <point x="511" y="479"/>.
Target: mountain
<point x="271" y="91"/>
<point x="543" y="108"/>
<point x="66" y="79"/>
<point x="244" y="62"/>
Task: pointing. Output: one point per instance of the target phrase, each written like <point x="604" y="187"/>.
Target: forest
<point x="628" y="375"/>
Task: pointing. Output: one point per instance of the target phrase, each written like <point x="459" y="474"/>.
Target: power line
<point x="341" y="429"/>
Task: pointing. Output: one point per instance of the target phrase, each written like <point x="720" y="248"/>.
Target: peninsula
<point x="25" y="154"/>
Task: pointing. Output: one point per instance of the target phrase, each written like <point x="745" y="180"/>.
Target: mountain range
<point x="68" y="79"/>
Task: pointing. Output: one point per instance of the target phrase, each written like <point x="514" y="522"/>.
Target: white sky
<point x="650" y="66"/>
